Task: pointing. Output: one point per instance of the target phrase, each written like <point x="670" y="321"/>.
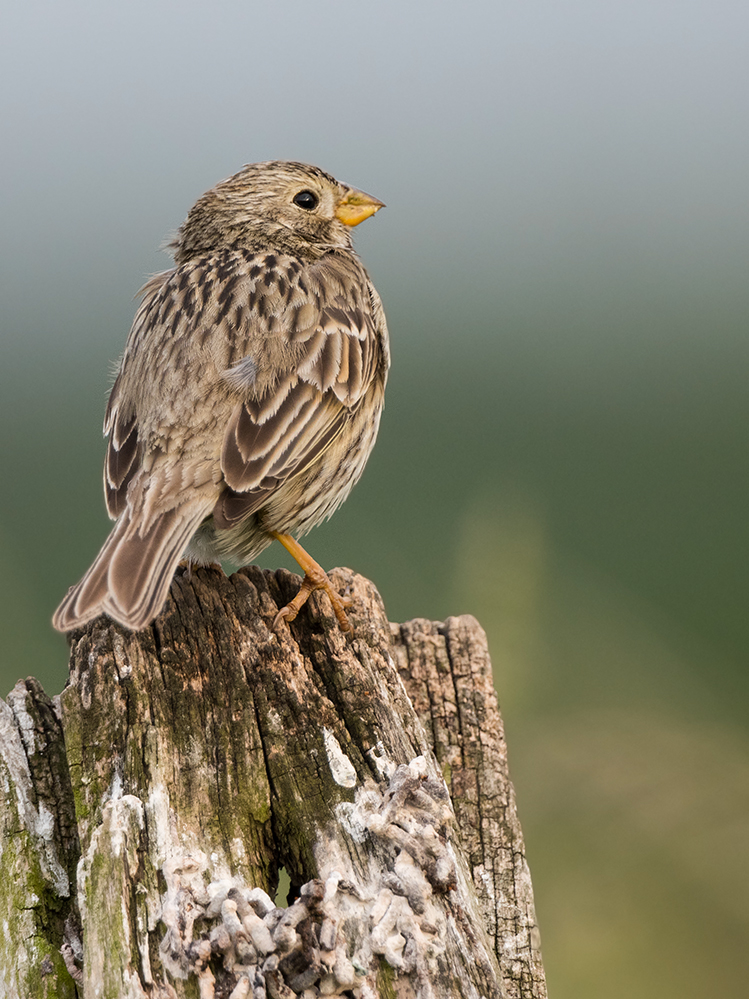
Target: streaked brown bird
<point x="249" y="395"/>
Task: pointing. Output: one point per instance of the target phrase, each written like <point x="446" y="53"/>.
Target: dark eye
<point x="306" y="200"/>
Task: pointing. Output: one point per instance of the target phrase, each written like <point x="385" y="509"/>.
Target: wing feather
<point x="121" y="463"/>
<point x="294" y="346"/>
<point x="277" y="432"/>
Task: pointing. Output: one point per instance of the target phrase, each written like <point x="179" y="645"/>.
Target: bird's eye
<point x="306" y="200"/>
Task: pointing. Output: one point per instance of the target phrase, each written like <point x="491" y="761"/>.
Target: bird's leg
<point x="315" y="578"/>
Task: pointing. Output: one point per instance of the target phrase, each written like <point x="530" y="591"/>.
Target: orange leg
<point x="315" y="578"/>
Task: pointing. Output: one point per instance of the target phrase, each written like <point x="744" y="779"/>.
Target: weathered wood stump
<point x="149" y="809"/>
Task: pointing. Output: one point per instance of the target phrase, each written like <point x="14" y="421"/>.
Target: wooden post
<point x="150" y="809"/>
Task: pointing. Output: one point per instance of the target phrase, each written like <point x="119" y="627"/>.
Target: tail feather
<point x="131" y="575"/>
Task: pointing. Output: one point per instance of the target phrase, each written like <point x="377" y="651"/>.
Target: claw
<point x="315" y="578"/>
<point x="189" y="564"/>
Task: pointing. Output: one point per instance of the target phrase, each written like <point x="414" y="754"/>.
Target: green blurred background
<point x="563" y="261"/>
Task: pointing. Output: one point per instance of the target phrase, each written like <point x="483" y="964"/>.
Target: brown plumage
<point x="249" y="395"/>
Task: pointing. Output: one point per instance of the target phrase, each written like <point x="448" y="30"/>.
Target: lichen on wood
<point x="38" y="851"/>
<point x="209" y="750"/>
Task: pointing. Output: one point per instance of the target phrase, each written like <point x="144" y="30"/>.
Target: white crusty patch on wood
<point x="113" y="850"/>
<point x="336" y="935"/>
<point x="394" y="908"/>
<point x="378" y="755"/>
<point x="157" y="816"/>
<point x="340" y="765"/>
<point x="19" y="742"/>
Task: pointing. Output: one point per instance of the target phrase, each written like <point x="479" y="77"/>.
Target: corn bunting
<point x="249" y="395"/>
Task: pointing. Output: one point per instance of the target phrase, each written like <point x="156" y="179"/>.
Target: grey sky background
<point x="506" y="138"/>
<point x="563" y="261"/>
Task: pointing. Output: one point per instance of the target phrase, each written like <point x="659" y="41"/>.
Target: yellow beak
<point x="356" y="206"/>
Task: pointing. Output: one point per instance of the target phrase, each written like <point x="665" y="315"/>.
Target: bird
<point x="249" y="394"/>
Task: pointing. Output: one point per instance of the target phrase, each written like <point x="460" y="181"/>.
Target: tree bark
<point x="150" y="809"/>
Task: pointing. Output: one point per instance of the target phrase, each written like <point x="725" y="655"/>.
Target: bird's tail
<point x="130" y="578"/>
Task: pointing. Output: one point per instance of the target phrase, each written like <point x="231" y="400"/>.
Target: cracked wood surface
<point x="446" y="670"/>
<point x="207" y="752"/>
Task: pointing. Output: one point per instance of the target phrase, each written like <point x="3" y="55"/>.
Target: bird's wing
<point x="124" y="447"/>
<point x="286" y="349"/>
<point x="121" y="462"/>
<point x="300" y="385"/>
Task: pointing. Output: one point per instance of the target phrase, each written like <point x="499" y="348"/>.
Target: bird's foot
<point x="188" y="564"/>
<point x="315" y="578"/>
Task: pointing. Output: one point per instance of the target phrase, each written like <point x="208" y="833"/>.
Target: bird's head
<point x="287" y="206"/>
